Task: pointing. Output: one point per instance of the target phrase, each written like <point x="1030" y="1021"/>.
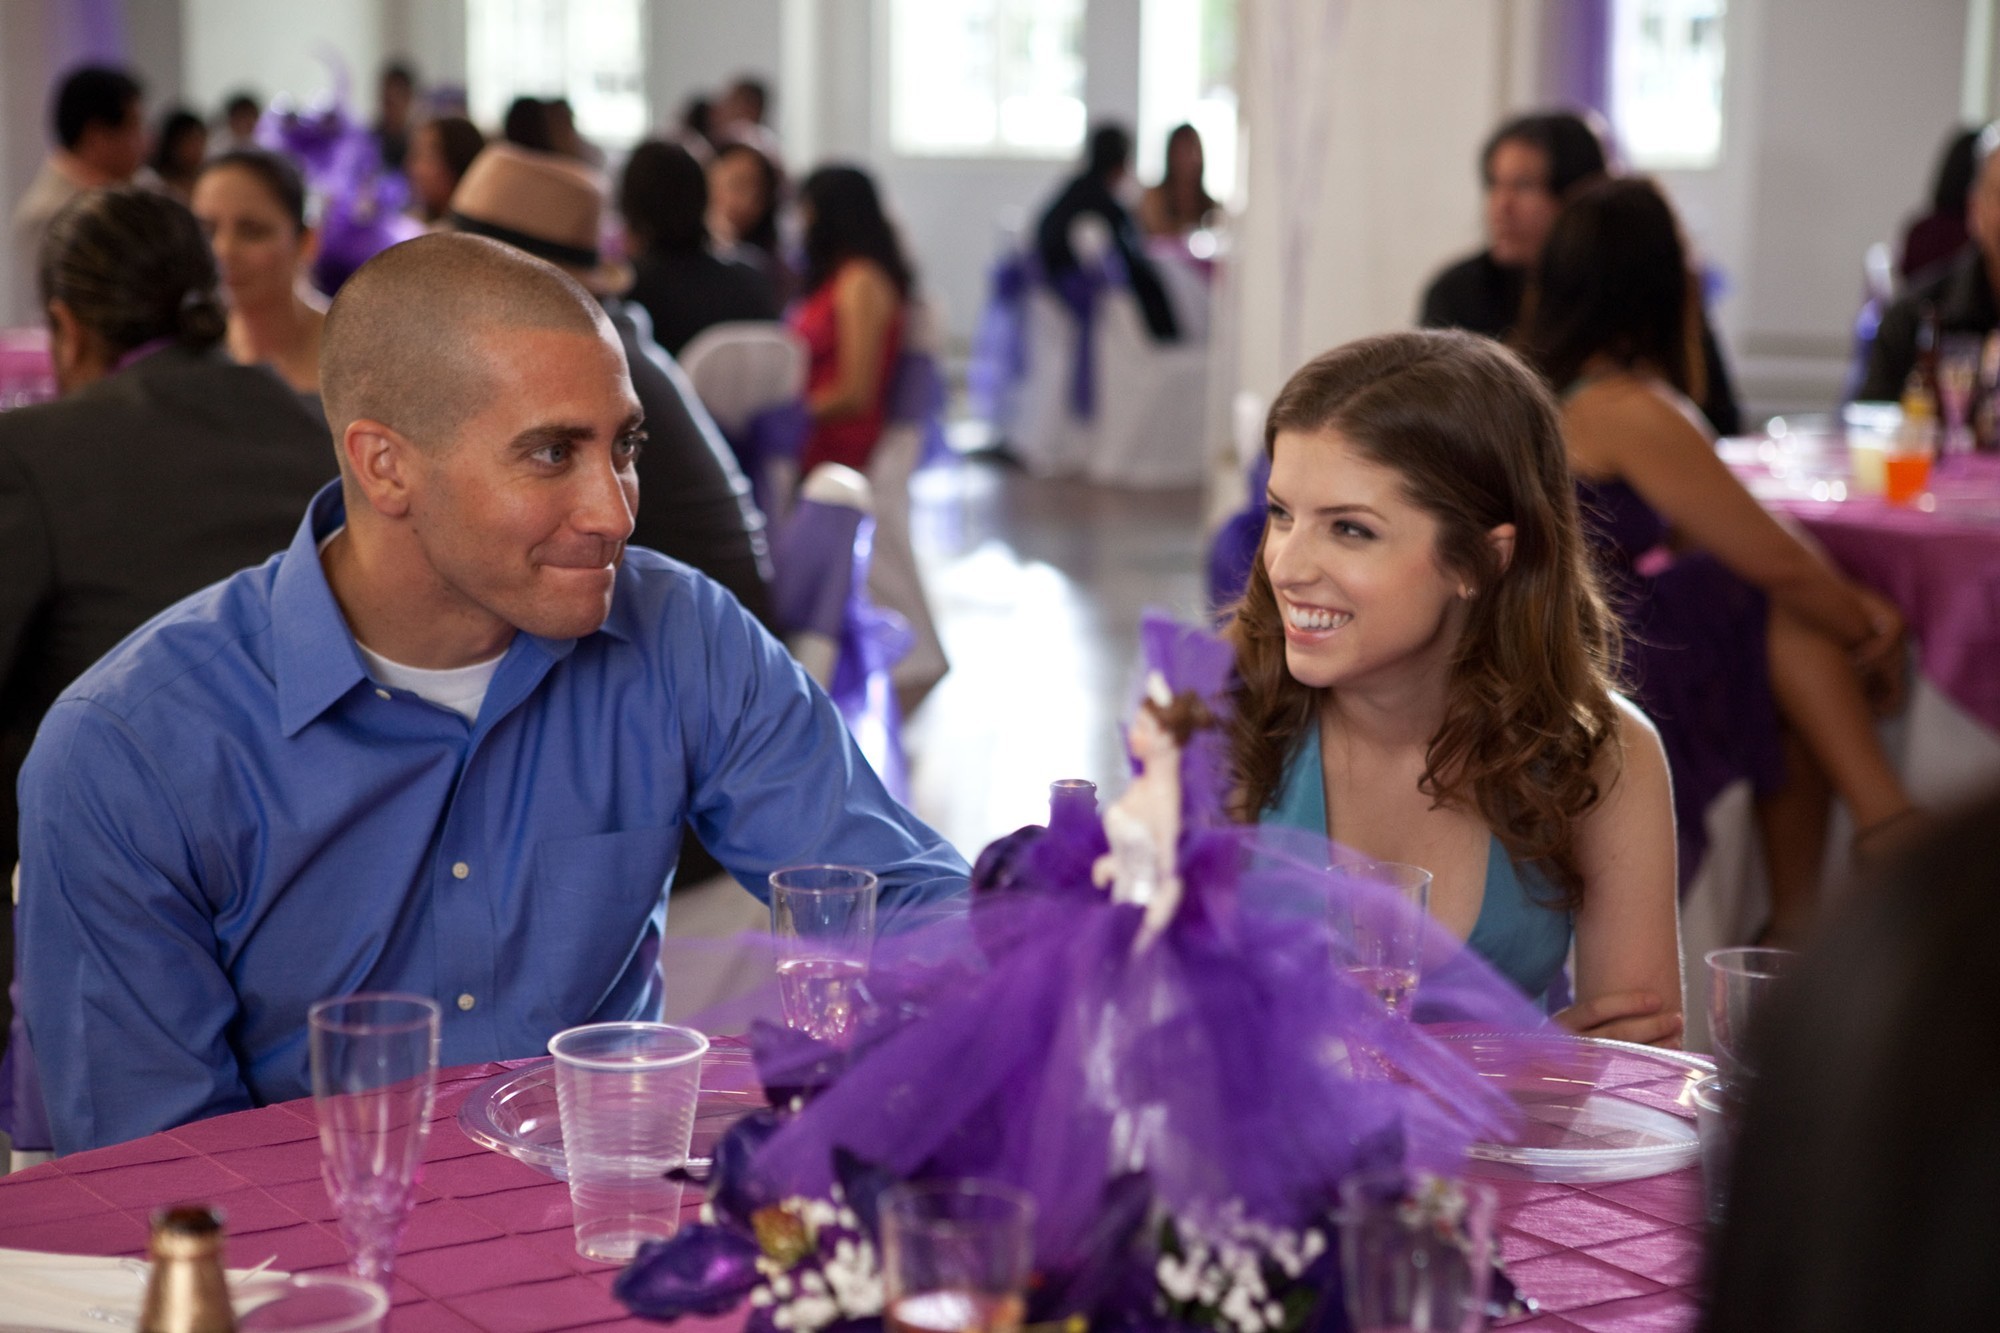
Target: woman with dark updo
<point x="162" y="468"/>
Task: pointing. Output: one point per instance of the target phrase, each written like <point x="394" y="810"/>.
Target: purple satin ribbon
<point x="821" y="558"/>
<point x="917" y="397"/>
<point x="1079" y="289"/>
<point x="777" y="434"/>
<point x="1000" y="344"/>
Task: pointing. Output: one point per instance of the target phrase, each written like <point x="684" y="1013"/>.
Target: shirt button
<point x="383" y="694"/>
<point x="466" y="1001"/>
<point x="460" y="870"/>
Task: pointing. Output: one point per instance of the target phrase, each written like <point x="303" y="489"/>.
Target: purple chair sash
<point x="777" y="434"/>
<point x="818" y="590"/>
<point x="1079" y="289"/>
<point x="1234" y="550"/>
<point x="917" y="398"/>
<point x="1000" y="344"/>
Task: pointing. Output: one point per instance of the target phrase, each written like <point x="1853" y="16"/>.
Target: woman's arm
<point x="864" y="304"/>
<point x="1626" y="427"/>
<point x="1628" y="957"/>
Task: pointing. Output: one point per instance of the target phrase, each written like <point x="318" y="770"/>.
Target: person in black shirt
<point x="1528" y="167"/>
<point x="1095" y="192"/>
<point x="1960" y="290"/>
<point x="683" y="284"/>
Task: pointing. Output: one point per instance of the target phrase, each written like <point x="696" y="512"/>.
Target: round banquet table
<point x="490" y="1245"/>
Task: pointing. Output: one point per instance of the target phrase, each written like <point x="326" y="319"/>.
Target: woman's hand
<point x="1632" y="1015"/>
<point x="1880" y="658"/>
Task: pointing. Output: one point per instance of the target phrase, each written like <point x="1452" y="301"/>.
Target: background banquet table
<point x="1938" y="560"/>
<point x="490" y="1246"/>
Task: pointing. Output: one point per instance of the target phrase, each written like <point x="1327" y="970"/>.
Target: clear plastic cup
<point x="1385" y="931"/>
<point x="626" y="1095"/>
<point x="823" y="918"/>
<point x="1714" y="1114"/>
<point x="955" y="1256"/>
<point x="1416" y="1251"/>
<point x="1740" y="982"/>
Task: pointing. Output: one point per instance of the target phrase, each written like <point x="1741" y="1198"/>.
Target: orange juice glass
<point x="1906" y="475"/>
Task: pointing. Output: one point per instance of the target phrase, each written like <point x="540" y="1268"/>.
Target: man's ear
<point x="384" y="463"/>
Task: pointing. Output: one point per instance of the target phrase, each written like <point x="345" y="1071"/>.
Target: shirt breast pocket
<point x="597" y="906"/>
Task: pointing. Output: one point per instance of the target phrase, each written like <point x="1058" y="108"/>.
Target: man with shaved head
<point x="445" y="743"/>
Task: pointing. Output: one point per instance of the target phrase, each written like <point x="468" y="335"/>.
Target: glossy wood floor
<point x="1038" y="587"/>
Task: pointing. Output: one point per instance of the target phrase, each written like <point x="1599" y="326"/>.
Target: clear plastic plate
<point x="515" y="1112"/>
<point x="1592" y="1110"/>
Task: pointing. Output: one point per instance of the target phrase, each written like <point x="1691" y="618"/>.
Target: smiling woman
<point x="1426" y="668"/>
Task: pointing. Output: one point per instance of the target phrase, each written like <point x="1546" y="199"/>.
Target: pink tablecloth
<point x="27" y="374"/>
<point x="490" y="1246"/>
<point x="1938" y="560"/>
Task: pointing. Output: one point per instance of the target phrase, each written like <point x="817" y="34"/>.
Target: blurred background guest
<point x="395" y="105"/>
<point x="1940" y="233"/>
<point x="854" y="314"/>
<point x="1867" y="1159"/>
<point x="527" y="124"/>
<point x="695" y="130"/>
<point x="100" y="140"/>
<point x="252" y="207"/>
<point x="1527" y="167"/>
<point x="162" y="467"/>
<point x="694" y="503"/>
<point x="1180" y="203"/>
<point x="742" y="113"/>
<point x="1094" y="192"/>
<point x="560" y="117"/>
<point x="240" y="113"/>
<point x="745" y="192"/>
<point x="683" y="284"/>
<point x="441" y="148"/>
<point x="1958" y="295"/>
<point x="179" y="148"/>
<point x="1750" y="652"/>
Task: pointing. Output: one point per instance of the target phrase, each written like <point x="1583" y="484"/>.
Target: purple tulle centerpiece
<point x="1165" y="1048"/>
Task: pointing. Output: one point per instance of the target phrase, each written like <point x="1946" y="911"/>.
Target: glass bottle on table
<point x="185" y="1289"/>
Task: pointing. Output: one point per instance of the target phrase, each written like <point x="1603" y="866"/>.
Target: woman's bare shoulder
<point x="1626" y="411"/>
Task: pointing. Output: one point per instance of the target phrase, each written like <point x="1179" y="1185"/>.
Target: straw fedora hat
<point x="549" y="206"/>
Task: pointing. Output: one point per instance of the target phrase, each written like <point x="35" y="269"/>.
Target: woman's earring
<point x="1467" y="591"/>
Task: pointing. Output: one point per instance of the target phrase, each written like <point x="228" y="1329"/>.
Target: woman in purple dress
<point x="1754" y="656"/>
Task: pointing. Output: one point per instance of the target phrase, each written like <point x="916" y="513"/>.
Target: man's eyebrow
<point x="541" y="437"/>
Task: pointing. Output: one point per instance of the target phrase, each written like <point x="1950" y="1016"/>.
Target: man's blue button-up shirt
<point x="225" y="819"/>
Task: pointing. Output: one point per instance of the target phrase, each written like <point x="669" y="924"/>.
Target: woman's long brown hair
<point x="1473" y="434"/>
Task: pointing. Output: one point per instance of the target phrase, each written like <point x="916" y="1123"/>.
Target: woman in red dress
<point x="853" y="316"/>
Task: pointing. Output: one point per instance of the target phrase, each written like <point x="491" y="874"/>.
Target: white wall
<point x="1834" y="111"/>
<point x="279" y="48"/>
<point x="697" y="46"/>
<point x="1412" y="88"/>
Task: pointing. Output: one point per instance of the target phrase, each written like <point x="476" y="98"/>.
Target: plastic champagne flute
<point x="374" y="1076"/>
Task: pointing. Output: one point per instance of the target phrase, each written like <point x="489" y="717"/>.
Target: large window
<point x="986" y="78"/>
<point x="1187" y="74"/>
<point x="1666" y="82"/>
<point x="589" y="51"/>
